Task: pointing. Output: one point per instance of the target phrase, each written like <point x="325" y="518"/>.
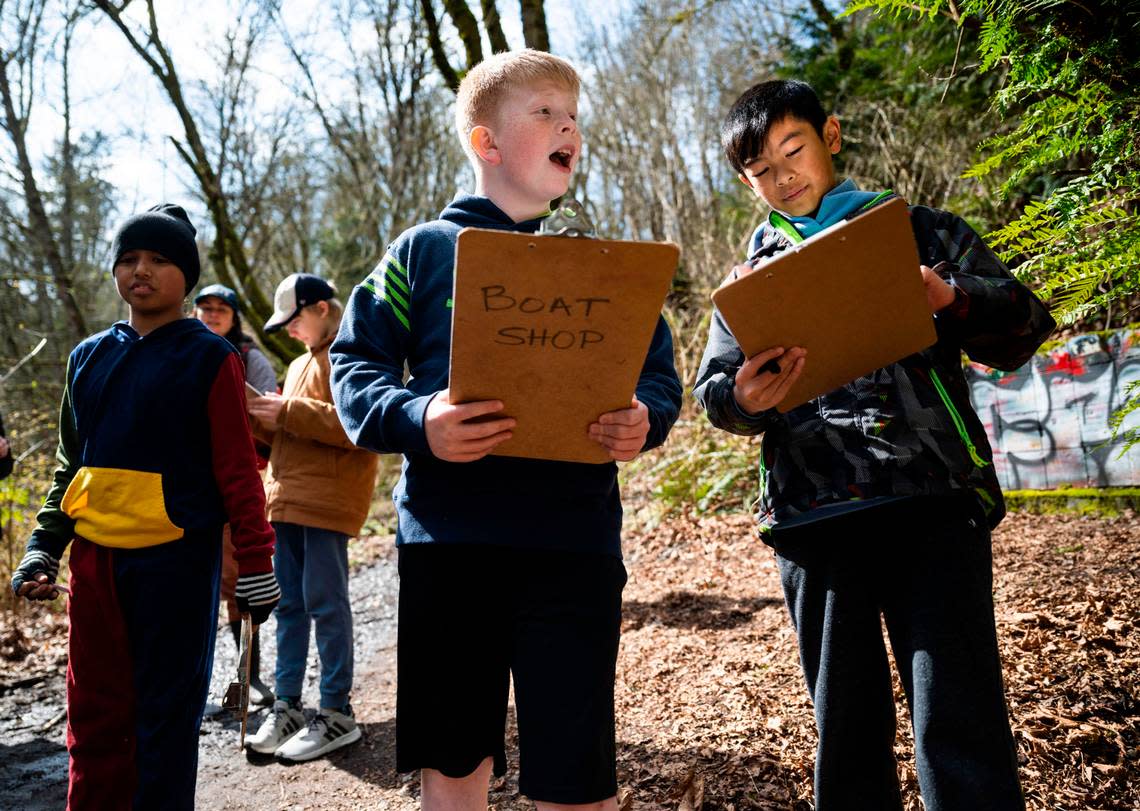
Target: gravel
<point x="33" y="724"/>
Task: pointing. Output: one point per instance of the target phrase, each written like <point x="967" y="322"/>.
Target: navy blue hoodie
<point x="154" y="445"/>
<point x="401" y="314"/>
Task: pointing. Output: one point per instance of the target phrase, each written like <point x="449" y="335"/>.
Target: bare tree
<point x="657" y="90"/>
<point x="18" y="62"/>
<point x="531" y="12"/>
<point x="54" y="206"/>
<point x="391" y="158"/>
<point x="228" y="252"/>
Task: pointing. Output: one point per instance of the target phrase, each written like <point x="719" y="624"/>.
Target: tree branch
<point x="37" y="213"/>
<point x="438" y="53"/>
<point x="844" y="51"/>
<point x="468" y="28"/>
<point x="535" y="34"/>
<point x="227" y="254"/>
<point x="494" y="27"/>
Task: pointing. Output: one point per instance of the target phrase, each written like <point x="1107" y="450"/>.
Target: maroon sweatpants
<point x="140" y="650"/>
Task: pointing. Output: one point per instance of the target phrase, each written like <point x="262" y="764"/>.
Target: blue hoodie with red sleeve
<point x="155" y="445"/>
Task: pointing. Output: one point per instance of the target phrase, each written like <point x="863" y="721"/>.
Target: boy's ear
<point x="832" y="135"/>
<point x="483" y="144"/>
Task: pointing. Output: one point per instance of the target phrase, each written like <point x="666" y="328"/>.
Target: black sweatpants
<point x="924" y="566"/>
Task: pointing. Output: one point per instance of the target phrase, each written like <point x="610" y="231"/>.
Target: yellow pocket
<point x="119" y="508"/>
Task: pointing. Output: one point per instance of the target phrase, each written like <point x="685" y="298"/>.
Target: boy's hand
<point x="267" y="408"/>
<point x="758" y="388"/>
<point x="35" y="577"/>
<point x="3" y="447"/>
<point x="939" y="294"/>
<point x="257" y="595"/>
<point x="454" y="437"/>
<point x="622" y="432"/>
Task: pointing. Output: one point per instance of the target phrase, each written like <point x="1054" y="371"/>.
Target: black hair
<point x="745" y="128"/>
<point x="235" y="336"/>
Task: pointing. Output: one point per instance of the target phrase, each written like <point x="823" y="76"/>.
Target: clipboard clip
<point x="568" y="220"/>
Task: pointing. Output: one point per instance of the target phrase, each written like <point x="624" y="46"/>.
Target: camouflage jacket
<point x="905" y="429"/>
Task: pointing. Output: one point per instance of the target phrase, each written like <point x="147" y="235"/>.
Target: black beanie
<point x="164" y="229"/>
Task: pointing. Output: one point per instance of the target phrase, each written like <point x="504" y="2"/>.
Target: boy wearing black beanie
<point x="165" y="229"/>
<point x="155" y="457"/>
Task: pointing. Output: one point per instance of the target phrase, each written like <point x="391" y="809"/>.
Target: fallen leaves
<point x="709" y="684"/>
<point x="712" y="712"/>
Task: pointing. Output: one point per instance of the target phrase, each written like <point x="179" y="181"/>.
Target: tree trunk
<point x="40" y="226"/>
<point x="845" y="53"/>
<point x="535" y="35"/>
<point x="534" y="24"/>
<point x="494" y="27"/>
<point x="468" y="28"/>
<point x="438" y="52"/>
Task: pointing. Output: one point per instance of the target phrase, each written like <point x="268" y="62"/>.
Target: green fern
<point x="898" y="8"/>
<point x="1070" y="91"/>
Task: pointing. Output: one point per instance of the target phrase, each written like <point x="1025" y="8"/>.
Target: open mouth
<point x="562" y="157"/>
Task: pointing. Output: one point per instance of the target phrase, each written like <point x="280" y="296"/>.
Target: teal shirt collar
<point x="835" y="207"/>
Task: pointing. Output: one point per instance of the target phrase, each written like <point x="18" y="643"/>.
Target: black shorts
<point x="472" y="617"/>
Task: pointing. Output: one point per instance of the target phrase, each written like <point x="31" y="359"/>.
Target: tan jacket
<point x="316" y="476"/>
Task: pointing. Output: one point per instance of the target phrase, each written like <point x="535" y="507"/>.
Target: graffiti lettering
<point x="1050" y="422"/>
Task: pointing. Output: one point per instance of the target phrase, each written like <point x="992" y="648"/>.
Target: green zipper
<point x="958" y="424"/>
<point x="785" y="227"/>
<point x="763" y="472"/>
<point x="878" y="198"/>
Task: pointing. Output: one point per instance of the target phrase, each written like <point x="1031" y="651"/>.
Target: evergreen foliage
<point x="1071" y="92"/>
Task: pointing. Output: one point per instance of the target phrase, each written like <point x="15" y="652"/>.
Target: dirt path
<point x="711" y="708"/>
<point x="32" y="723"/>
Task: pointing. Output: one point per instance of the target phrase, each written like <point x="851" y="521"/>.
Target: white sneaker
<point x="282" y="723"/>
<point x="328" y="731"/>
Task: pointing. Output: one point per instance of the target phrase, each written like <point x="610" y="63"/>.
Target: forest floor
<point x="711" y="707"/>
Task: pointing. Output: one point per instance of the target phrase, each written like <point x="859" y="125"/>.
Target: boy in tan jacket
<point x="318" y="490"/>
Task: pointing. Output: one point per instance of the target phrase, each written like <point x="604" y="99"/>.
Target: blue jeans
<point x="924" y="566"/>
<point x="312" y="570"/>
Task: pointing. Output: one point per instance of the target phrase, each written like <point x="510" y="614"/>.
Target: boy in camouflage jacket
<point x="878" y="497"/>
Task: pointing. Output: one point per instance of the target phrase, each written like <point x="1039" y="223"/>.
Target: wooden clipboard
<point x="852" y="296"/>
<point x="557" y="328"/>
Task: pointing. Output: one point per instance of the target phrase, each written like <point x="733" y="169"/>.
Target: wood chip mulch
<point x="712" y="711"/>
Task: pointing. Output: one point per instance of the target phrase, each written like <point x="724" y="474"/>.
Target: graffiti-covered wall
<point x="1049" y="421"/>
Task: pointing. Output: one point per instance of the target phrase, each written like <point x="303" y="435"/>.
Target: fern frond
<point x="896" y="8"/>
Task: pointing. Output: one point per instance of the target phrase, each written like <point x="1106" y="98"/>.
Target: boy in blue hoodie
<point x="879" y="497"/>
<point x="155" y="456"/>
<point x="508" y="566"/>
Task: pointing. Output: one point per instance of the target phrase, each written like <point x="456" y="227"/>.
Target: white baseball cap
<point x="295" y="292"/>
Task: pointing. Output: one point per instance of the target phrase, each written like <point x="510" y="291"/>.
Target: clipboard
<point x="852" y="296"/>
<point x="557" y="328"/>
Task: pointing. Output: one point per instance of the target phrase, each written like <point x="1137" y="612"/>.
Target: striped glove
<point x="35" y="563"/>
<point x="257" y="595"/>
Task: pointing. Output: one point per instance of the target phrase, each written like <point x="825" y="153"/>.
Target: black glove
<point x="257" y="595"/>
<point x="35" y="563"/>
